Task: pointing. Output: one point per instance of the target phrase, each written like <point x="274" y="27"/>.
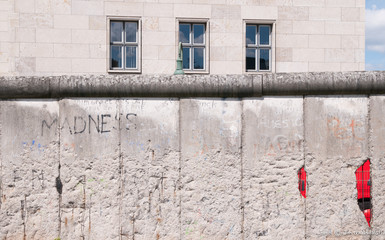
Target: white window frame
<point x="258" y="47"/>
<point x="191" y="45"/>
<point x="138" y="44"/>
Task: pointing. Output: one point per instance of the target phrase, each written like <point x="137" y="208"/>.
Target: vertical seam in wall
<point x="304" y="156"/>
<point x="59" y="166"/>
<point x="179" y="189"/>
<point x="120" y="168"/>
<point x="370" y="153"/>
<point x="370" y="149"/>
<point x="241" y="153"/>
<point x="1" y="158"/>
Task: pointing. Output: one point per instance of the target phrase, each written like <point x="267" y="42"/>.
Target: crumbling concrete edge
<point x="182" y="86"/>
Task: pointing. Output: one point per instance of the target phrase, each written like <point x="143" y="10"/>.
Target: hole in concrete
<point x="302" y="181"/>
<point x="364" y="184"/>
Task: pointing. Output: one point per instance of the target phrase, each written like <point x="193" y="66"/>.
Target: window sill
<point x="125" y="71"/>
<point x="196" y="72"/>
<point x="256" y="73"/>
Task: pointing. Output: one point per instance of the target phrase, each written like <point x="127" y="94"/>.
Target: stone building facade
<point x="55" y="37"/>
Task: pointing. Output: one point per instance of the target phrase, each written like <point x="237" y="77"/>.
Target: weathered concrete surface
<point x="184" y="86"/>
<point x="29" y="206"/>
<point x="189" y="168"/>
<point x="336" y="138"/>
<point x="377" y="143"/>
<point x="211" y="169"/>
<point x="90" y="169"/>
<point x="131" y="86"/>
<point x="150" y="201"/>
<point x="323" y="83"/>
<point x="272" y="154"/>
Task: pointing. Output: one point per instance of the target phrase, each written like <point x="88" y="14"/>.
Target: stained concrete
<point x="149" y="169"/>
<point x="185" y="86"/>
<point x="336" y="140"/>
<point x="29" y="167"/>
<point x="377" y="153"/>
<point x="272" y="154"/>
<point x="211" y="192"/>
<point x="189" y="168"/>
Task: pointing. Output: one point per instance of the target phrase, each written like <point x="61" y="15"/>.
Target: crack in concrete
<point x="121" y="168"/>
<point x="180" y="165"/>
<point x="23" y="204"/>
<point x="241" y="153"/>
<point x="370" y="153"/>
<point x="59" y="166"/>
<point x="304" y="153"/>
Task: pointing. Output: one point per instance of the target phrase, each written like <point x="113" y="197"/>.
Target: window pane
<point x="199" y="56"/>
<point x="184" y="33"/>
<point x="130" y="57"/>
<point x="116" y="57"/>
<point x="264" y="35"/>
<point x="199" y="31"/>
<point x="251" y="31"/>
<point x="186" y="58"/>
<point x="131" y="28"/>
<point x="116" y="31"/>
<point x="250" y="59"/>
<point x="264" y="59"/>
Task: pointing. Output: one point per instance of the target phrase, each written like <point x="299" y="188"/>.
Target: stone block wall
<point x="55" y="37"/>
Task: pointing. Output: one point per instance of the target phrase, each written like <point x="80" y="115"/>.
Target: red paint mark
<point x="344" y="131"/>
<point x="364" y="190"/>
<point x="302" y="181"/>
<point x="353" y="125"/>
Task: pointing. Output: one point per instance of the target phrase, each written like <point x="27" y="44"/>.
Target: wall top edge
<point x="179" y="86"/>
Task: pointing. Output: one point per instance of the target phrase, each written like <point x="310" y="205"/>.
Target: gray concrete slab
<point x="150" y="204"/>
<point x="90" y="169"/>
<point x="211" y="169"/>
<point x="272" y="154"/>
<point x="377" y="144"/>
<point x="195" y="85"/>
<point x="336" y="136"/>
<point x="29" y="164"/>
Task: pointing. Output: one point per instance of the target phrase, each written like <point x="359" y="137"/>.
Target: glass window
<point x="199" y="56"/>
<point x="131" y="57"/>
<point x="251" y="33"/>
<point x="124" y="45"/>
<point x="264" y="35"/>
<point x="258" y="47"/>
<point x="131" y="30"/>
<point x="184" y="33"/>
<point x="264" y="59"/>
<point x="186" y="58"/>
<point x="192" y="36"/>
<point x="116" y="31"/>
<point x="250" y="59"/>
<point x="199" y="33"/>
<point x="116" y="56"/>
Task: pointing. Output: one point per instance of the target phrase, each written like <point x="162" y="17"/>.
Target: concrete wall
<point x="55" y="37"/>
<point x="189" y="168"/>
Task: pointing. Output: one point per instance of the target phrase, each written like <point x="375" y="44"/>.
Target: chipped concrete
<point x="336" y="145"/>
<point x="189" y="168"/>
<point x="272" y="155"/>
<point x="185" y="86"/>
